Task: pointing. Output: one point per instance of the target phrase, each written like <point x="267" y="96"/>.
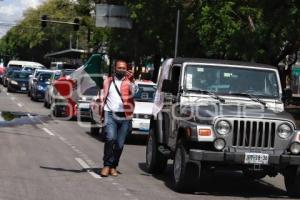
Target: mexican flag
<point x="85" y="77"/>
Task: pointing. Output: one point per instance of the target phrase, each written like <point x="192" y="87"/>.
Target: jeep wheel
<point x="292" y="181"/>
<point x="185" y="174"/>
<point x="155" y="161"/>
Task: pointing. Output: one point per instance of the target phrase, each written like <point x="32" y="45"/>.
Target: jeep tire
<point x="156" y="162"/>
<point x="185" y="174"/>
<point x="292" y="181"/>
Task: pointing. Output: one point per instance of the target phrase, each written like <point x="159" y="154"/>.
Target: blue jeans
<point x="116" y="130"/>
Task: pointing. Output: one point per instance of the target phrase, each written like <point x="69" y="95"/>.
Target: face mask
<point x="120" y="74"/>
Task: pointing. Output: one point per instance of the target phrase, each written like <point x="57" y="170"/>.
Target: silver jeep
<point x="211" y="114"/>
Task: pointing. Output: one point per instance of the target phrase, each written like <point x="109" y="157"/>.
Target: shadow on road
<point x="131" y="140"/>
<point x="96" y="170"/>
<point x="223" y="183"/>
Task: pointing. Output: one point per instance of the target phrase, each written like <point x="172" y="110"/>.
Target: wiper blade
<point x="213" y="95"/>
<point x="252" y="97"/>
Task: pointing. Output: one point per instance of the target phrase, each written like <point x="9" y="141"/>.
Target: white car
<point x="49" y="93"/>
<point x="144" y="97"/>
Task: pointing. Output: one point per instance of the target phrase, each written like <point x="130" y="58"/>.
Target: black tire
<point x="254" y="175"/>
<point x="185" y="174"/>
<point x="94" y="130"/>
<point x="56" y="112"/>
<point x="45" y="104"/>
<point x="8" y="89"/>
<point x="155" y="162"/>
<point x="292" y="181"/>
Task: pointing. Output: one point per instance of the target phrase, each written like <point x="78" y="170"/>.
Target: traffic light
<point x="43" y="22"/>
<point x="76" y="24"/>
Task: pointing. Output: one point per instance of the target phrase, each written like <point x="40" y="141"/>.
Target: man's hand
<point x="129" y="75"/>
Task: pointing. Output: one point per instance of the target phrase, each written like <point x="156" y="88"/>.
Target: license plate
<point x="144" y="127"/>
<point x="256" y="158"/>
<point x="23" y="88"/>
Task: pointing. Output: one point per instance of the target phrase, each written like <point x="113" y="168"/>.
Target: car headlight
<point x="284" y="131"/>
<point x="40" y="87"/>
<point x="14" y="82"/>
<point x="223" y="127"/>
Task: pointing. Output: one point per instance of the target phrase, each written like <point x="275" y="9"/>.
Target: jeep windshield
<point x="231" y="80"/>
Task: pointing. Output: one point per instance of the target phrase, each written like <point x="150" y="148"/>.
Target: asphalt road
<point x="43" y="158"/>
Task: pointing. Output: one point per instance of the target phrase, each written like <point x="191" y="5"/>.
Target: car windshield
<point x="28" y="69"/>
<point x="145" y="93"/>
<point x="232" y="80"/>
<point x="91" y="91"/>
<point x="56" y="76"/>
<point x="43" y="77"/>
<point x="20" y="75"/>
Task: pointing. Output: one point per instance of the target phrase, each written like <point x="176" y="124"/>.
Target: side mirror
<point x="287" y="94"/>
<point x="169" y="87"/>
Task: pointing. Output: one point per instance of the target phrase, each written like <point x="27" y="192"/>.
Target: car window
<point x="20" y="75"/>
<point x="145" y="93"/>
<point x="44" y="77"/>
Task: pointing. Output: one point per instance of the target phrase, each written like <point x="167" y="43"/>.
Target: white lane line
<point x="85" y="166"/>
<point x="20" y="105"/>
<point x="48" y="131"/>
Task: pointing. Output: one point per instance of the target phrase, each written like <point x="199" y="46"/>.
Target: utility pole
<point x="177" y="33"/>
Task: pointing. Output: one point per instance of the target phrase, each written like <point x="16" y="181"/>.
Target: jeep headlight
<point x="284" y="131"/>
<point x="223" y="127"/>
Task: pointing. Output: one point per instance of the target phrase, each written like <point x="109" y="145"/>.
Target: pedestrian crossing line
<point x="48" y="131"/>
<point x="85" y="166"/>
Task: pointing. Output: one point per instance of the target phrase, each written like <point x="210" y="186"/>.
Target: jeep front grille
<point x="257" y="134"/>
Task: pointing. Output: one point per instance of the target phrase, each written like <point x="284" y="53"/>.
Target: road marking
<point x="13" y="98"/>
<point x="85" y="166"/>
<point x="20" y="105"/>
<point x="48" y="131"/>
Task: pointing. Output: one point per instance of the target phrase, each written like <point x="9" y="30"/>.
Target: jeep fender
<point x="156" y="124"/>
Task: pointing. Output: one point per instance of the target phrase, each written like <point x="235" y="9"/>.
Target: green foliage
<point x="208" y="28"/>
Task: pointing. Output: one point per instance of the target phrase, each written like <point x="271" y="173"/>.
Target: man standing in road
<point x="118" y="107"/>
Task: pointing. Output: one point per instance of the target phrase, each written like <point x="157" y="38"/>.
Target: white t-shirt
<point x="114" y="102"/>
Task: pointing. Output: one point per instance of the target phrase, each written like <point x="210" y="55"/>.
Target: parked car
<point x="40" y="85"/>
<point x="144" y="97"/>
<point x="8" y="74"/>
<point x="51" y="92"/>
<point x="217" y="114"/>
<point x="33" y="78"/>
<point x="59" y="105"/>
<point x="50" y="89"/>
<point x="18" y="81"/>
<point x="24" y="65"/>
<point x="83" y="104"/>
